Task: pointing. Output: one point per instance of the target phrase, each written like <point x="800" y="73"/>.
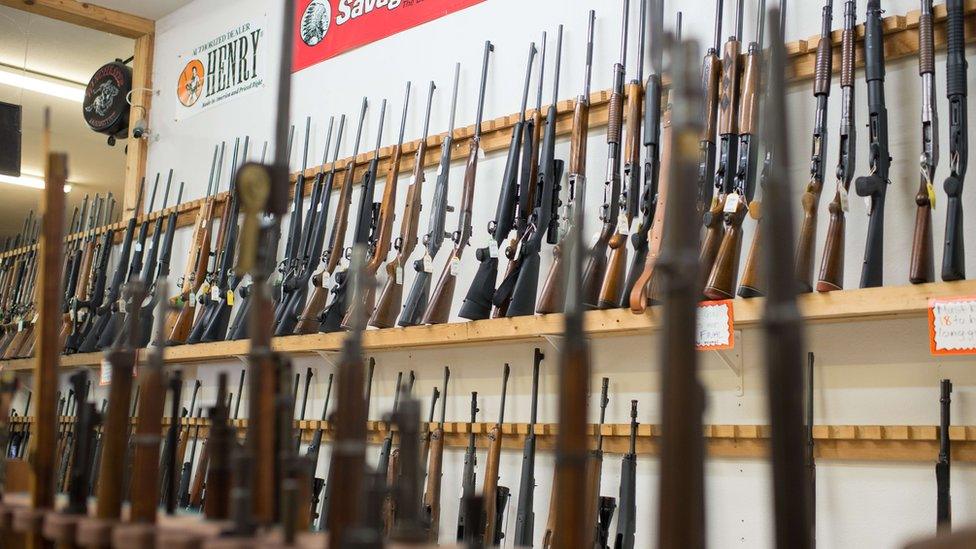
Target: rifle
<point x="122" y="358"/>
<point x="953" y="257"/>
<point x="782" y="322"/>
<point x="943" y="498"/>
<point x="598" y="274"/>
<point x="296" y="288"/>
<point x="875" y="186"/>
<point x="186" y="467"/>
<point x="301" y="416"/>
<point x="128" y="265"/>
<point x="312" y="452"/>
<point x="67" y="433"/>
<point x="464" y="527"/>
<point x="831" y="275"/>
<point x="551" y="298"/>
<point x="149" y="425"/>
<point x="180" y="319"/>
<point x="724" y="181"/>
<point x="97" y="451"/>
<point x="383" y="464"/>
<point x="495" y="496"/>
<point x="416" y="303"/>
<point x="525" y="515"/>
<point x="439" y="307"/>
<point x="594" y="472"/>
<point x="426" y="431"/>
<point x="922" y="266"/>
<point x="432" y="492"/>
<point x="80" y="250"/>
<point x="823" y="70"/>
<point x="477" y="303"/>
<point x="162" y="270"/>
<point x="80" y="274"/>
<point x="385" y="311"/>
<point x="26" y="308"/>
<point x="87" y="419"/>
<point x="409" y="526"/>
<point x="348" y="456"/>
<point x="627" y="519"/>
<point x="310" y="318"/>
<point x="722" y="281"/>
<point x="85" y="310"/>
<point x="641" y="198"/>
<point x="220" y="445"/>
<point x="811" y="462"/>
<point x="365" y="228"/>
<point x="18" y="441"/>
<point x="682" y="405"/>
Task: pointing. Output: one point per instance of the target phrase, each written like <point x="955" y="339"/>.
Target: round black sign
<point x="105" y="108"/>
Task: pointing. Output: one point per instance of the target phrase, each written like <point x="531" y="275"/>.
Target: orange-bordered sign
<point x="326" y="28"/>
<point x="952" y="326"/>
<point x="716" y="326"/>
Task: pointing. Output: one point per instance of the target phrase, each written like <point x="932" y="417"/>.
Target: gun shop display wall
<point x="561" y="273"/>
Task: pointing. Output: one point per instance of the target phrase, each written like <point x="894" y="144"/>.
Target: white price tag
<point x="428" y="263"/>
<point x="105" y="375"/>
<point x="138" y="246"/>
<point x="716" y="330"/>
<point x="192" y="300"/>
<point x="622" y="226"/>
<point x="842" y="193"/>
<point x="481" y="153"/>
<point x="455" y="265"/>
<point x="492" y="248"/>
<point x="952" y="326"/>
<point x="732" y="202"/>
<point x="318" y="207"/>
<point x="20" y="325"/>
<point x="398" y="275"/>
<point x="215" y="293"/>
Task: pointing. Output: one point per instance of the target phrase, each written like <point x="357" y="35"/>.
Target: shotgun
<point x="953" y="257"/>
<point x="922" y="266"/>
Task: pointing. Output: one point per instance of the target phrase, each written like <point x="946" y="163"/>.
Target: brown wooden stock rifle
<point x="439" y="308"/>
<point x="435" y="466"/>
<point x="490" y="490"/>
<point x="922" y="266"/>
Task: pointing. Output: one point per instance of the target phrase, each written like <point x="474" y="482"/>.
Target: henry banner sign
<point x="221" y="68"/>
<point x="326" y="28"/>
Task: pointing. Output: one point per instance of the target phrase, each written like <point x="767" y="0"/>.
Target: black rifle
<point x="108" y="313"/>
<point x="301" y="416"/>
<point x="313" y="454"/>
<point x="18" y="440"/>
<point x="477" y="303"/>
<point x="165" y="255"/>
<point x="525" y="514"/>
<point x="602" y="513"/>
<point x="465" y="527"/>
<point x="416" y="302"/>
<point x="954" y="258"/>
<point x="96" y="459"/>
<point x="88" y="419"/>
<point x="83" y="311"/>
<point x="383" y="464"/>
<point x="186" y="468"/>
<point x="295" y="289"/>
<point x="811" y="453"/>
<point x="167" y="459"/>
<point x="520" y="287"/>
<point x="944" y="499"/>
<point x="874" y="187"/>
<point x="627" y="519"/>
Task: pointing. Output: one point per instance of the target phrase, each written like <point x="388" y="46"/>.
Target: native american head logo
<point x="316" y="21"/>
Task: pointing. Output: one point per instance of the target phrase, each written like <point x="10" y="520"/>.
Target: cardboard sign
<point x="716" y="330"/>
<point x="952" y="326"/>
<point x="326" y="28"/>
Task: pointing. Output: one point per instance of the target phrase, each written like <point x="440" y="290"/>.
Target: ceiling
<point x="70" y="53"/>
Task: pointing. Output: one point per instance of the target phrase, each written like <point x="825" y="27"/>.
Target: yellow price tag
<point x="931" y="190"/>
<point x="230" y="298"/>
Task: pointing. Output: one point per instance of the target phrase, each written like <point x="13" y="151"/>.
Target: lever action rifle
<point x="722" y="281"/>
<point x="922" y="266"/>
<point x="417" y="299"/>
<point x="310" y="318"/>
<point x="526" y="194"/>
<point x="831" y="275"/>
<point x="596" y="270"/>
<point x="468" y="479"/>
<point x="525" y="515"/>
<point x="728" y="109"/>
<point x="387" y="308"/>
<point x="594" y="474"/>
<point x="381" y="230"/>
<point x="823" y="71"/>
<point x="296" y="287"/>
<point x="943" y="499"/>
<point x="439" y="307"/>
<point x="493" y="494"/>
<point x="180" y="319"/>
<point x="432" y="493"/>
<point x="644" y="190"/>
<point x="477" y="303"/>
<point x="627" y="519"/>
<point x="874" y="187"/>
<point x="953" y="257"/>
<point x="551" y="297"/>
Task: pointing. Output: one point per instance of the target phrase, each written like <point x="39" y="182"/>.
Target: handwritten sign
<point x="952" y="326"/>
<point x="715" y="326"/>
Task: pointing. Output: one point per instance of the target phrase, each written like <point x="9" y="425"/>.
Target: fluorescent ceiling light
<point x="40" y="84"/>
<point x="31" y="181"/>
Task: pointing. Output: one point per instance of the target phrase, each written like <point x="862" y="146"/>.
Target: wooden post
<point x="137" y="150"/>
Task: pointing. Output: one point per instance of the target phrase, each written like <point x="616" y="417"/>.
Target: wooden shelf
<point x="901" y="40"/>
<point x="861" y="305"/>
<point x="832" y="442"/>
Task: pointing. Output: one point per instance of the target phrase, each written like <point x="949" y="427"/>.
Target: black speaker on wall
<point x="10" y="139"/>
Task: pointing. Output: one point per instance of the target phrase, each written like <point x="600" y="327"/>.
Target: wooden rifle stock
<point x="180" y="321"/>
<point x="922" y="266"/>
<point x="551" y="298"/>
<point x="432" y="494"/>
<point x="753" y="282"/>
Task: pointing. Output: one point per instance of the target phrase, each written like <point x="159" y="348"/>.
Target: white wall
<point x="871" y="373"/>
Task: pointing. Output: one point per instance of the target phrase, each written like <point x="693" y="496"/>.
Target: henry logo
<point x="189" y="88"/>
<point x="316" y="21"/>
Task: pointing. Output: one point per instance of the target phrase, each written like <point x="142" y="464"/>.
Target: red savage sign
<point x="326" y="28"/>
